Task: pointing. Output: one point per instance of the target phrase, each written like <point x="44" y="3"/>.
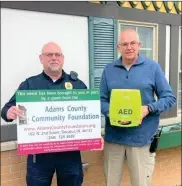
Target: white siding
<point x="23" y="34"/>
<point x="168" y="44"/>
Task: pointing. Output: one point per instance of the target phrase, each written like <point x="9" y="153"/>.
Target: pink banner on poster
<point x="58" y="146"/>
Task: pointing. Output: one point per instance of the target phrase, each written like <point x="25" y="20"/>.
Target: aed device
<point x="125" y="107"/>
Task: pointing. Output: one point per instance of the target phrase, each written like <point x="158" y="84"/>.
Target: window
<point x="147" y="35"/>
<point x="179" y="80"/>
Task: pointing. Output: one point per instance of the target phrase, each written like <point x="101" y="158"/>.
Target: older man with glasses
<point x="41" y="167"/>
<point x="135" y="144"/>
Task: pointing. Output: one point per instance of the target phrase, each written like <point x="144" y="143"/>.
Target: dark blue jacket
<point x="147" y="76"/>
<point x="43" y="81"/>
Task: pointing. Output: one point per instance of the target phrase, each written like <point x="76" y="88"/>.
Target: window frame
<point x="147" y="25"/>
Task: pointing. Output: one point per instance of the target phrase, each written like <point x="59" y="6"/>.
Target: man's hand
<point x="102" y="141"/>
<point x="102" y="147"/>
<point x="145" y="111"/>
<point x="13" y="113"/>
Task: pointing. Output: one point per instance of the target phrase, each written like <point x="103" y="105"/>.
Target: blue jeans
<point x="67" y="165"/>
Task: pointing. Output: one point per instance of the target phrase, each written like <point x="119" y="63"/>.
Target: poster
<point x="58" y="120"/>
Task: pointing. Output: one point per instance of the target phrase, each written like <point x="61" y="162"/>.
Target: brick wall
<point x="167" y="170"/>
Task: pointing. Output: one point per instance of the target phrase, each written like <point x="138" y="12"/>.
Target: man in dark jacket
<point x="68" y="165"/>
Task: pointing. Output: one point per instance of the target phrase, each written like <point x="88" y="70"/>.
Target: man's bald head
<point x="127" y="33"/>
<point x="129" y="45"/>
<point x="51" y="46"/>
<point x="52" y="59"/>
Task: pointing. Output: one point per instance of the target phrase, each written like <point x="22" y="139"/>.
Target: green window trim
<point x="102" y="46"/>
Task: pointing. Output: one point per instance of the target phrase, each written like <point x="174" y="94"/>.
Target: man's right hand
<point x="13" y="113"/>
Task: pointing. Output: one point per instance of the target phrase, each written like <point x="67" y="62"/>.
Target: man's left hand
<point x="102" y="143"/>
<point x="145" y="111"/>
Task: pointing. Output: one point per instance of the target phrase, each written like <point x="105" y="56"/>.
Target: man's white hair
<point x="132" y="30"/>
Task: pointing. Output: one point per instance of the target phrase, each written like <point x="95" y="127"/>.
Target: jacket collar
<point x="47" y="77"/>
<point x="139" y="61"/>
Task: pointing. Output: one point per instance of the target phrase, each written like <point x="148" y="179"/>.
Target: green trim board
<point x="170" y="136"/>
<point x="169" y="140"/>
<point x="171" y="127"/>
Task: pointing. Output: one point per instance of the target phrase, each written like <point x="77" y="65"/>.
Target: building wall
<point x="23" y="33"/>
<point x="27" y="32"/>
<point x="167" y="169"/>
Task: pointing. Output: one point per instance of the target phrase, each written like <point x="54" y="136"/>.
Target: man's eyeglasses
<point x="50" y="55"/>
<point x="132" y="44"/>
